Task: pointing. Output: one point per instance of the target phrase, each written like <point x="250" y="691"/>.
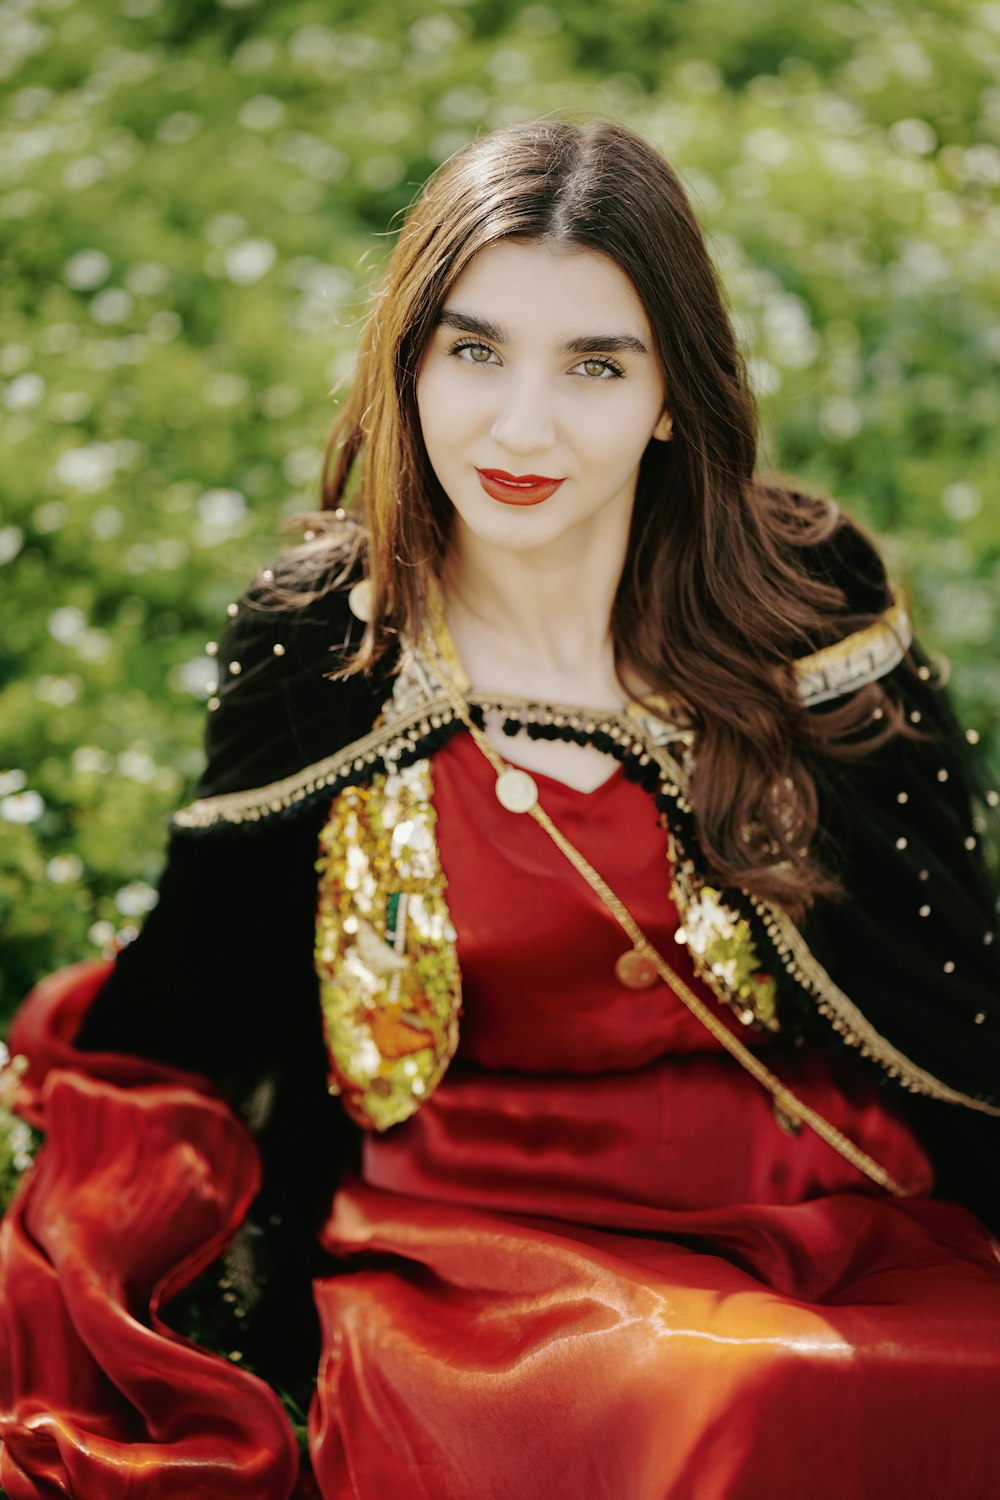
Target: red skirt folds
<point x="591" y="1267"/>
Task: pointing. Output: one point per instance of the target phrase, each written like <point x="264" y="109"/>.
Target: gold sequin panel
<point x="390" y="986"/>
<point x="722" y="948"/>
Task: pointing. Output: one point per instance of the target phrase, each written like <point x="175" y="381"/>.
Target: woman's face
<point x="538" y="393"/>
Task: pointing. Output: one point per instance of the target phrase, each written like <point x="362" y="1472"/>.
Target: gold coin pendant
<point x="635" y="971"/>
<point x="516" y="790"/>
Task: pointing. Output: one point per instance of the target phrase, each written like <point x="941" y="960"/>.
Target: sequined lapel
<point x="390" y="988"/>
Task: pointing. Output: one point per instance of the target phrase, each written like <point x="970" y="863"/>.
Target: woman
<point x="585" y="908"/>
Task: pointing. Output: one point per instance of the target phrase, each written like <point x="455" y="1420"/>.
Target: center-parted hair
<point x="716" y="597"/>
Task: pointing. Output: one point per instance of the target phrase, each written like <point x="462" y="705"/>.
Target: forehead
<point x="531" y="284"/>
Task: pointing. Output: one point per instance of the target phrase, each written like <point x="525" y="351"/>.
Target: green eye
<point x="600" y="369"/>
<point x="472" y="353"/>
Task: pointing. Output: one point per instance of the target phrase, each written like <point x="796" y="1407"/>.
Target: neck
<point x="537" y="621"/>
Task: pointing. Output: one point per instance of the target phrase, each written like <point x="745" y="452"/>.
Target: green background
<point x="194" y="201"/>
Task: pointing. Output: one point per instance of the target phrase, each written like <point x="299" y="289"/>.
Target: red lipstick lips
<point x="517" y="489"/>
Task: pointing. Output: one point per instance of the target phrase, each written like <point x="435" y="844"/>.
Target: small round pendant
<point x="635" y="971"/>
<point x="789" y="1122"/>
<point x="361" y="599"/>
<point x="516" y="790"/>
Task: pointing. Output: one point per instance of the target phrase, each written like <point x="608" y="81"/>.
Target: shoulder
<point x="281" y="700"/>
<point x="863" y="631"/>
<point x="295" y="612"/>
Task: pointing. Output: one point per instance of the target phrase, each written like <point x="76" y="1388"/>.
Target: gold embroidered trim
<point x="845" y="1017"/>
<point x="722" y="948"/>
<point x="405" y="731"/>
<point x="420" y="704"/>
<point x="856" y="660"/>
<point x="802" y="966"/>
<point x="718" y="938"/>
<point x="384" y="741"/>
<point x="390" y="988"/>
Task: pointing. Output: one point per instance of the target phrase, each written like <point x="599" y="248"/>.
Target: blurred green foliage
<point x="194" y="201"/>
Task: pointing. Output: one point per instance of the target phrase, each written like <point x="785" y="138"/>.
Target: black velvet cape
<point x="221" y="981"/>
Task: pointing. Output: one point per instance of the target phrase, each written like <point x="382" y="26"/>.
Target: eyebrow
<point x="611" y="343"/>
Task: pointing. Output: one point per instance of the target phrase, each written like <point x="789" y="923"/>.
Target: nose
<point x="523" y="423"/>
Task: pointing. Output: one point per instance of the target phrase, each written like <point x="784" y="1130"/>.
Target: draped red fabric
<point x="142" y="1180"/>
<point x="591" y="1267"/>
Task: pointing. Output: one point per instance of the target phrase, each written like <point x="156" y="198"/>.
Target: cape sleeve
<point x="912" y="831"/>
<point x="181" y="1088"/>
<point x="221" y="979"/>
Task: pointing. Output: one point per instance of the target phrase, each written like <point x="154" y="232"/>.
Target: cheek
<point x="456" y="413"/>
<point x="429" y="414"/>
<point x="616" y="436"/>
<point x="441" y="395"/>
<point x="444" y="425"/>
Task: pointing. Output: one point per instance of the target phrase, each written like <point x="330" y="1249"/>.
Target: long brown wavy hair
<point x="715" y="599"/>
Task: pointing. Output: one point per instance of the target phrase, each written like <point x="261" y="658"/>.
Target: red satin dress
<point x="591" y="1267"/>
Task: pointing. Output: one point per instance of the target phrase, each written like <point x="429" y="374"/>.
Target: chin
<point x="517" y="529"/>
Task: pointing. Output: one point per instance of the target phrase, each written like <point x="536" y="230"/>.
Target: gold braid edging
<point x="847" y="1019"/>
<point x="361" y="755"/>
<point x="858" y="659"/>
<point x="836" y="669"/>
<point x="833" y="1005"/>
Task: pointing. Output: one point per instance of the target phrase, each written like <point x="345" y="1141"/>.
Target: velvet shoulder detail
<point x="912" y="830"/>
<point x="867" y="633"/>
<point x="277" y="705"/>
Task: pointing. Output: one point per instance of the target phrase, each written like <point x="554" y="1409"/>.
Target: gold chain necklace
<point x="517" y="791"/>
